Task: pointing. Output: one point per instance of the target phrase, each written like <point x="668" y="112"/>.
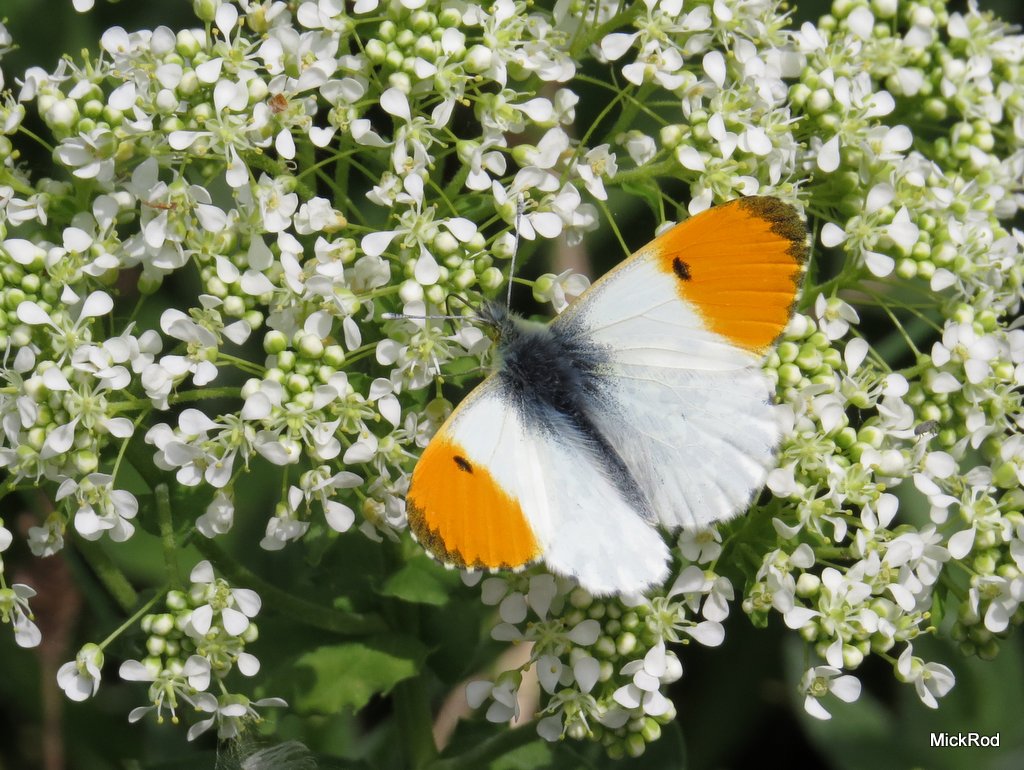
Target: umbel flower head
<point x="199" y="299"/>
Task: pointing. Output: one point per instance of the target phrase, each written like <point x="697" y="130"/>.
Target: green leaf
<point x="420" y="581"/>
<point x="533" y="756"/>
<point x="329" y="679"/>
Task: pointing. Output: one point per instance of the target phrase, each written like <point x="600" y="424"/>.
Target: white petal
<point x="202" y="572"/>
<point x="628" y="696"/>
<point x="585" y="633"/>
<point x="961" y="543"/>
<point x="234" y="621"/>
<point x="396" y="103"/>
<point x="134" y="671"/>
<point x="202" y="619"/>
<point x="477" y="692"/>
<point x="879" y="264"/>
<point x="828" y="156"/>
<point x="248" y="664"/>
<point x="586" y="671"/>
<point x="714" y="66"/>
<point x="846" y="688"/>
<point x="708" y="633"/>
<point x="513" y="608"/>
<point x="549" y="670"/>
<point x="374" y="244"/>
<point x="248" y="601"/>
<point x="339" y="517"/>
<point x="613" y="46"/>
<point x="33" y="315"/>
<point x="427" y="272"/>
<point x="813" y="707"/>
<point x="832" y="234"/>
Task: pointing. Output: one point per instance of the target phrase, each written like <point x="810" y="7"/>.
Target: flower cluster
<point x="196" y="643"/>
<point x="602" y="662"/>
<point x="236" y="213"/>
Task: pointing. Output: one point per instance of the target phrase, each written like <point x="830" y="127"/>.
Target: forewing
<point x="464" y="503"/>
<point x="496" y="490"/>
<point x="684" y="325"/>
<point x="712" y="293"/>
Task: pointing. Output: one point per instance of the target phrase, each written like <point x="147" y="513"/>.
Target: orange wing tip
<point x="785" y="222"/>
<point x="462" y="516"/>
<point x="739" y="266"/>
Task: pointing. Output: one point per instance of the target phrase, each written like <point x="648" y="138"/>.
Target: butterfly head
<point x="500" y="322"/>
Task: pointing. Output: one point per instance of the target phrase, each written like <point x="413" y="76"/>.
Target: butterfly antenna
<point x="389" y="316"/>
<point x="409" y="316"/>
<point x="520" y="207"/>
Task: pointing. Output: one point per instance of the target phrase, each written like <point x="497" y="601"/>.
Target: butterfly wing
<point x="685" y="323"/>
<point x="493" y="490"/>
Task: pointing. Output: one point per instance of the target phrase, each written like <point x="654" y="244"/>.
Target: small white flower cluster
<point x="197" y="642"/>
<point x="235" y="211"/>
<point x="602" y="662"/>
<point x="14" y="607"/>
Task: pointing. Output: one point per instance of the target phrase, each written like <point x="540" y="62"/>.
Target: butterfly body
<point x="642" y="405"/>
<point x="555" y="378"/>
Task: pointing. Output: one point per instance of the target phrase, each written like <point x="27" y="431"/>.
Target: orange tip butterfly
<point x="643" y="405"/>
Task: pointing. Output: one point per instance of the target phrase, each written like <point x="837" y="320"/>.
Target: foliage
<point x="193" y="318"/>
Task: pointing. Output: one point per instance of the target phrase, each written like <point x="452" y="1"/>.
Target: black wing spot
<point x="463" y="463"/>
<point x="681" y="269"/>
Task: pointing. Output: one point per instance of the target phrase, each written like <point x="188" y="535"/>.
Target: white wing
<point x="681" y="328"/>
<point x="582" y="524"/>
<point x="699" y="444"/>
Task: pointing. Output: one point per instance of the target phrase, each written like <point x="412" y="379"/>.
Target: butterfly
<point x="642" y="406"/>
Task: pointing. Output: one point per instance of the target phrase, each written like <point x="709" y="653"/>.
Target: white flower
<point x="598" y="163"/>
<point x="230" y="713"/>
<point x="931" y="680"/>
<point x="1002" y="595"/>
<point x="513" y="603"/>
<point x="834" y="316"/>
<point x="219" y="516"/>
<point x="504" y="696"/>
<point x="974" y="350"/>
<point x="14" y="609"/>
<point x="700" y="546"/>
<point x="100" y="508"/>
<point x="80" y="678"/>
<point x="89" y="154"/>
<point x="67" y="335"/>
<point x="560" y="289"/>
<point x="202" y="347"/>
<point x="47" y="539"/>
<point x="648" y="675"/>
<point x="819" y="681"/>
<point x="168" y="688"/>
<point x="234" y="606"/>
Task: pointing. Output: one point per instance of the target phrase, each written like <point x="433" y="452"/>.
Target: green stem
<point x="482" y="755"/>
<point x="132" y="620"/>
<point x="309" y="613"/>
<point x="165" y="519"/>
<point x="410" y="698"/>
<point x="108" y="573"/>
<point x="204" y="393"/>
<point x="645" y="172"/>
<point x="415" y="722"/>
